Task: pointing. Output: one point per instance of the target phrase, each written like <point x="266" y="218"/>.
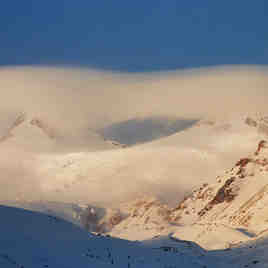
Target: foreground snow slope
<point x="32" y="240"/>
<point x="250" y="254"/>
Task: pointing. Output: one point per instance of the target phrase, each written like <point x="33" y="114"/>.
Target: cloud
<point x="77" y="102"/>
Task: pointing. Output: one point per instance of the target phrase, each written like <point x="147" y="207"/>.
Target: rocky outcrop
<point x="44" y="127"/>
<point x="37" y="122"/>
<point x="238" y="197"/>
<point x="261" y="145"/>
<point x="225" y="194"/>
<point x="145" y="213"/>
<point x="251" y="122"/>
<point x="100" y="220"/>
<point x="259" y="122"/>
<point x="18" y="121"/>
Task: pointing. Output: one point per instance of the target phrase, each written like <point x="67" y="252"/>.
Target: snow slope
<point x="162" y="168"/>
<point x="218" y="215"/>
<point x="32" y="240"/>
<point x="232" y="210"/>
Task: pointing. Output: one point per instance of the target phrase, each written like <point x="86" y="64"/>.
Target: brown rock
<point x="261" y="145"/>
<point x="251" y="122"/>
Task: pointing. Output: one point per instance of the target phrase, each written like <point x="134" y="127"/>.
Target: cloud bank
<point x="78" y="102"/>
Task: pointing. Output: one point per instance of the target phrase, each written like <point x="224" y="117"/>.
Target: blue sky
<point x="134" y="36"/>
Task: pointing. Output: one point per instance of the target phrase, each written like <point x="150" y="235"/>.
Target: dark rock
<point x="251" y="122"/>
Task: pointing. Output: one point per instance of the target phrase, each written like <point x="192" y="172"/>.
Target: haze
<point x="76" y="104"/>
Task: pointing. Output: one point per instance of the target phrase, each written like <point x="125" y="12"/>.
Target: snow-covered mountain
<point x="159" y="168"/>
<point x="32" y="133"/>
<point x="236" y="204"/>
<point x="215" y="215"/>
<point x="81" y="182"/>
<point x="133" y="157"/>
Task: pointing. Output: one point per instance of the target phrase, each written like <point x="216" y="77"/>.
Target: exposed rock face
<point x="145" y="213"/>
<point x="19" y="120"/>
<point x="261" y="123"/>
<point x="22" y="118"/>
<point x="243" y="162"/>
<point x="115" y="218"/>
<point x="251" y="122"/>
<point x="225" y="194"/>
<point x="89" y="219"/>
<point x="44" y="127"/>
<point x="206" y="122"/>
<point x="232" y="210"/>
<point x="261" y="145"/>
<point x="100" y="220"/>
<point x="238" y="198"/>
